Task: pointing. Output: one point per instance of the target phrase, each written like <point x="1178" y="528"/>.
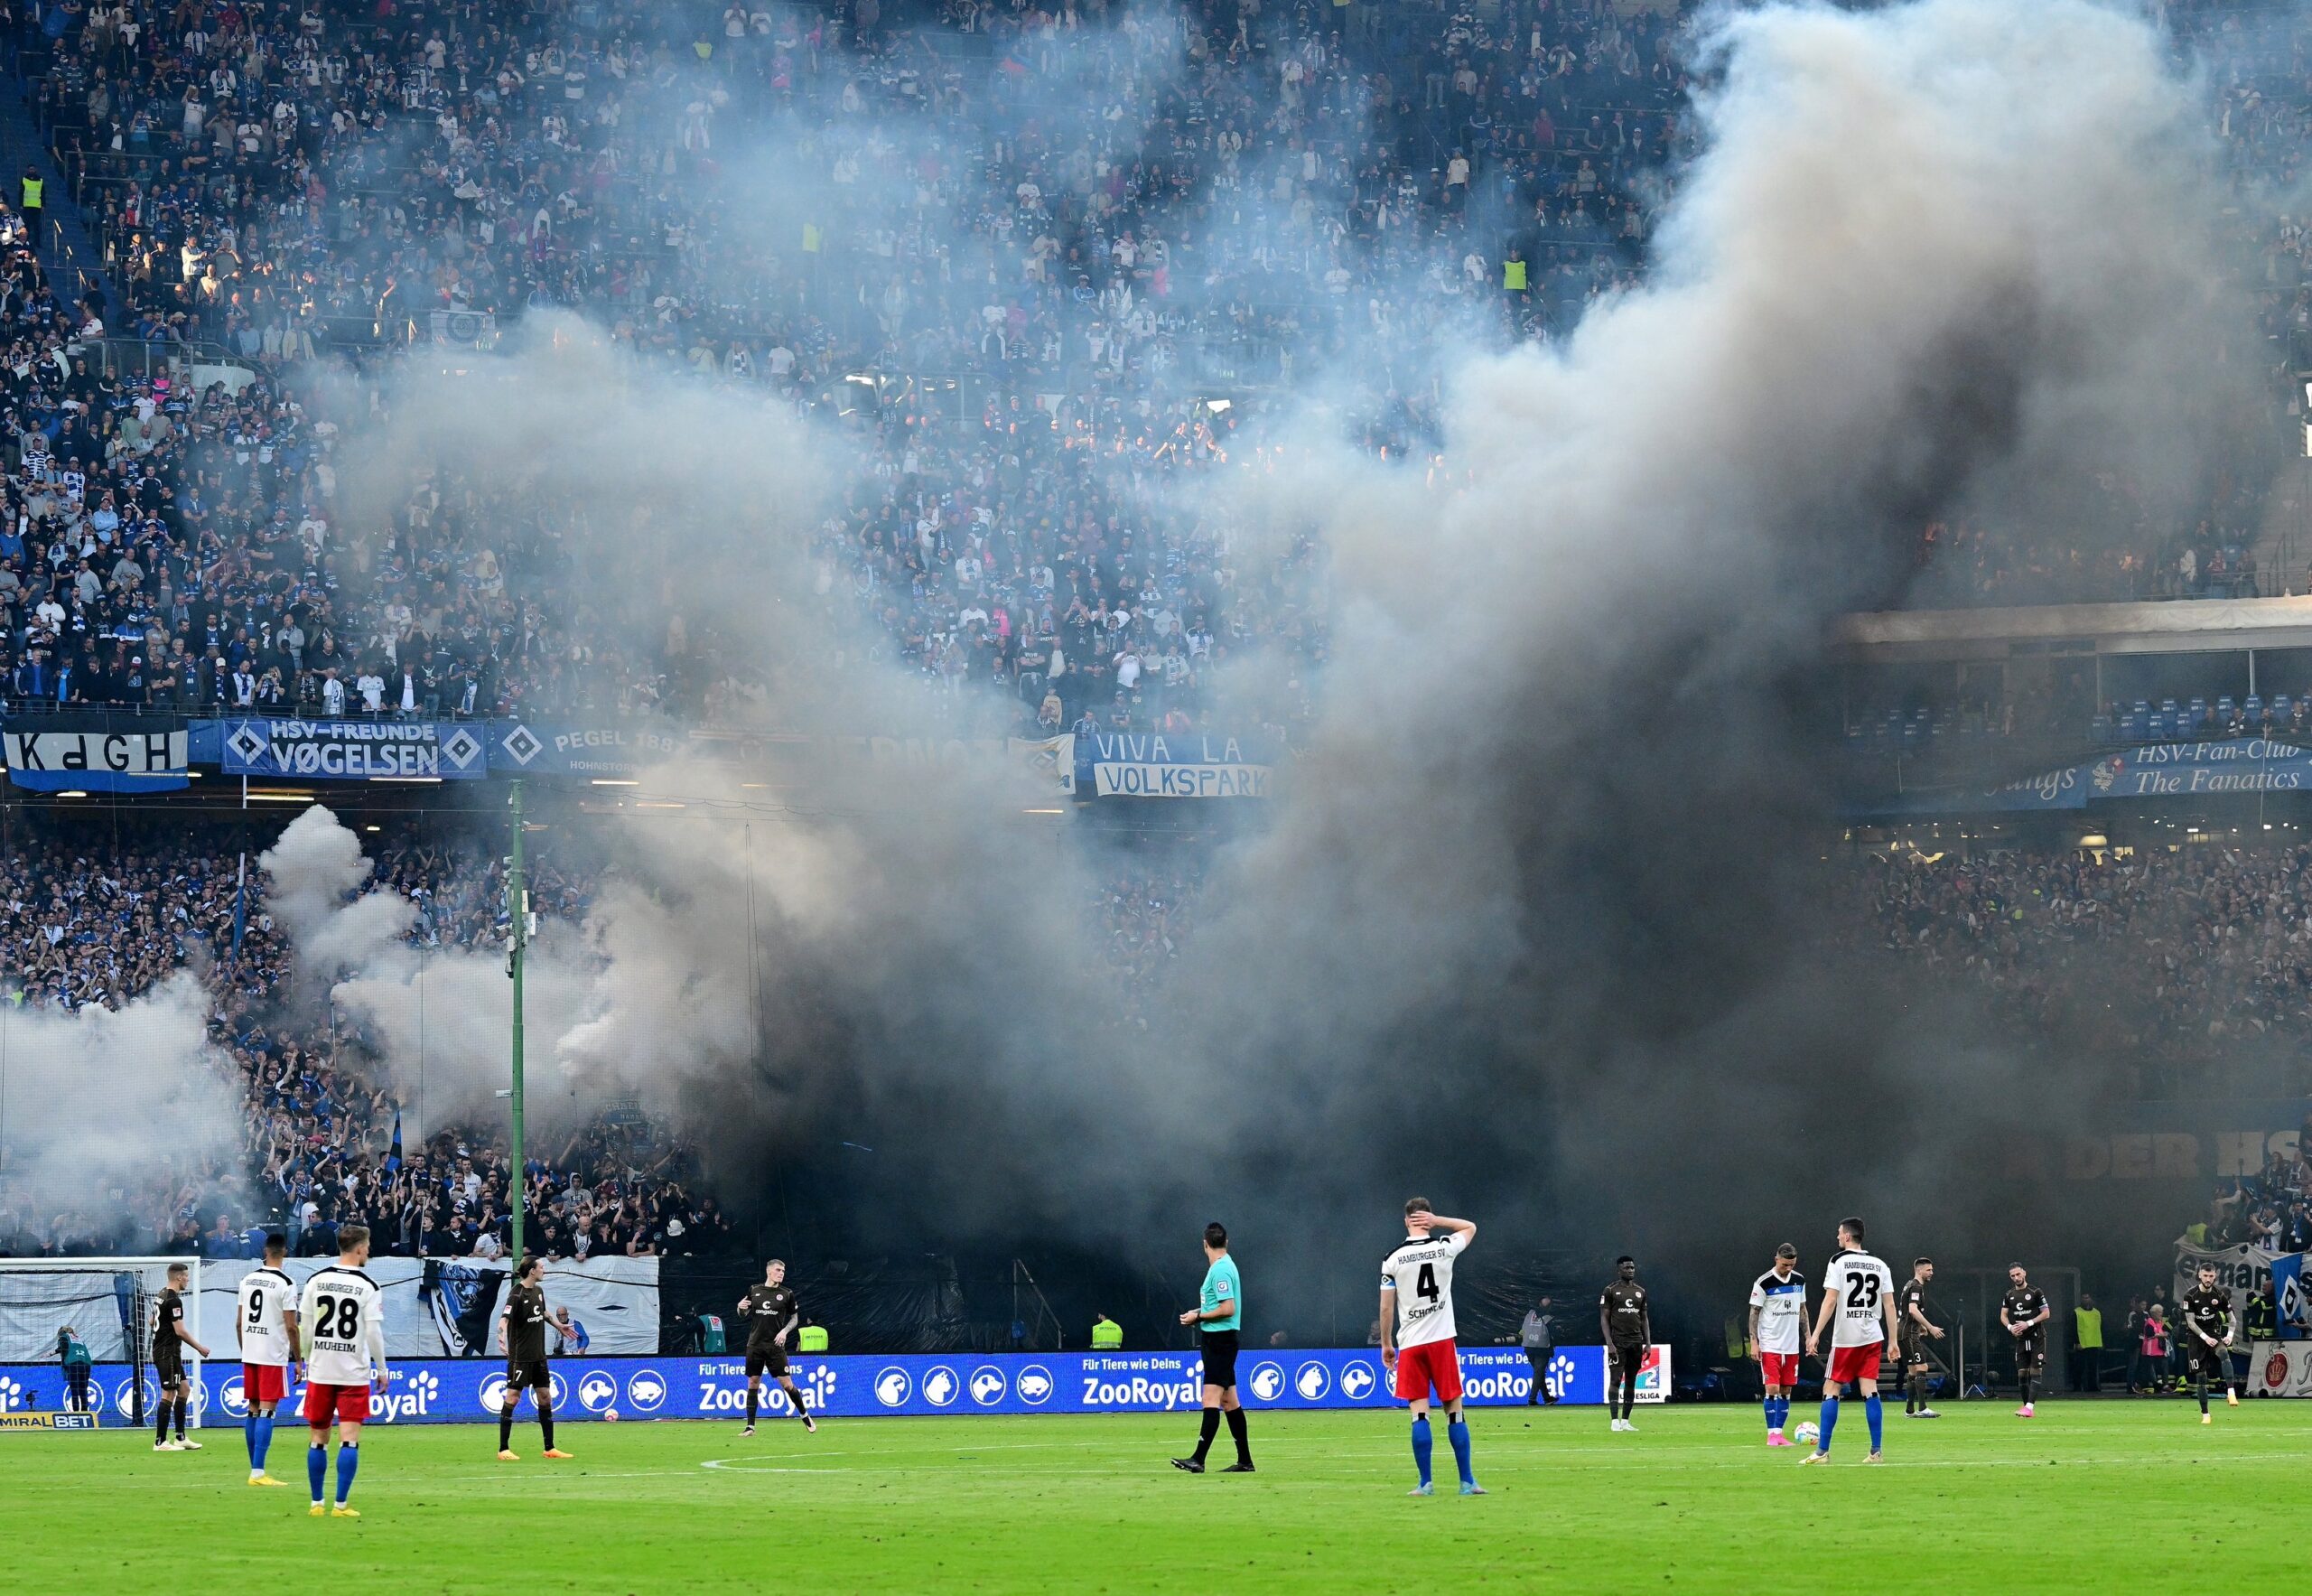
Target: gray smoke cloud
<point x="1528" y="920"/>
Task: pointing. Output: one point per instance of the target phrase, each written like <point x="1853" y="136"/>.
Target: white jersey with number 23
<point x="1860" y="1282"/>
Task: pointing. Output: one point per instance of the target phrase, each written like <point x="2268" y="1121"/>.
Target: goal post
<point x="108" y="1303"/>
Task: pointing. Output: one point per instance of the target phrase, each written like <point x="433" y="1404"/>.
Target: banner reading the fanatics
<point x="1186" y="765"/>
<point x="353" y="750"/>
<point x="92" y="751"/>
<point x="471" y="1390"/>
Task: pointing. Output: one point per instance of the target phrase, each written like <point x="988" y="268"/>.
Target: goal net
<point x="109" y="1306"/>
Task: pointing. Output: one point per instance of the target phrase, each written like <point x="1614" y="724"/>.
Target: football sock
<point x="1875" y="1413"/>
<point x="794" y="1400"/>
<point x="263" y="1439"/>
<point x="1240" y="1435"/>
<point x="2203" y="1390"/>
<point x="248" y="1438"/>
<point x="1421" y="1445"/>
<point x="317" y="1469"/>
<point x="1457" y="1433"/>
<point x="182" y="1402"/>
<point x="1918" y="1393"/>
<point x="1830" y="1422"/>
<point x="505" y="1429"/>
<point x="349" y="1458"/>
<point x="545" y="1422"/>
<point x="2027" y="1390"/>
<point x="1208" y="1428"/>
<point x="750" y="1405"/>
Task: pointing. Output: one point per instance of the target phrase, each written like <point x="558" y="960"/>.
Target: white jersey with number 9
<point x="341" y="1316"/>
<point x="1860" y="1282"/>
<point x="263" y="1293"/>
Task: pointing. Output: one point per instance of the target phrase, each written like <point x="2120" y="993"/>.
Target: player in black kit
<point x="170" y="1338"/>
<point x="521" y="1330"/>
<point x="1917" y="1330"/>
<point x="772" y="1316"/>
<point x="1628" y="1325"/>
<point x="2207" y="1338"/>
<point x="2023" y="1313"/>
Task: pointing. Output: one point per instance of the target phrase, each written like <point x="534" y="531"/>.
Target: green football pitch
<point x="2089" y="1495"/>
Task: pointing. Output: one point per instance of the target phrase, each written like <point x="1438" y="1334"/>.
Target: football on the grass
<point x="609" y="1415"/>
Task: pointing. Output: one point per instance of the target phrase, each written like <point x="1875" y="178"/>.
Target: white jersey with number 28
<point x="263" y="1293"/>
<point x="1421" y="1274"/>
<point x="342" y="1317"/>
<point x="1860" y="1282"/>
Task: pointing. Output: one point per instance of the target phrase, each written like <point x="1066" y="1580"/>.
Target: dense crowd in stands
<point x="2167" y="958"/>
<point x="84" y="921"/>
<point x="1047" y="237"/>
<point x="89" y="922"/>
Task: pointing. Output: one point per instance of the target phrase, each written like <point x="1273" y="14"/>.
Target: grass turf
<point x="2090" y="1494"/>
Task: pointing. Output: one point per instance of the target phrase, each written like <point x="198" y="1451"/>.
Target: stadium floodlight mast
<point x="517" y="911"/>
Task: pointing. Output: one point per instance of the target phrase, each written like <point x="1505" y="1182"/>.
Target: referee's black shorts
<point x="1220" y="1358"/>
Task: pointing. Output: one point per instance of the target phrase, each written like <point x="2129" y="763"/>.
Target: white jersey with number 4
<point x="341" y="1316"/>
<point x="1421" y="1273"/>
<point x="264" y="1293"/>
<point x="1860" y="1282"/>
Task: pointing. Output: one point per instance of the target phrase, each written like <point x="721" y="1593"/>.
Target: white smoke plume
<point x="100" y="1107"/>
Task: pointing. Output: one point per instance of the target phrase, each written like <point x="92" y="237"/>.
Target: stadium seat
<point x="2161" y="727"/>
<point x="2254" y="709"/>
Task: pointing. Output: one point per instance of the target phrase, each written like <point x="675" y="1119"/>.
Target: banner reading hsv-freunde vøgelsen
<point x="353" y="750"/>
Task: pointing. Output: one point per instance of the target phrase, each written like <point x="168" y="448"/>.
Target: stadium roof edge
<point x="2182" y="626"/>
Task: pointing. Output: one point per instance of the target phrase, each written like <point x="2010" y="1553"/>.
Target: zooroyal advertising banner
<point x="353" y="750"/>
<point x="92" y="751"/>
<point x="1182" y="765"/>
<point x="470" y="1390"/>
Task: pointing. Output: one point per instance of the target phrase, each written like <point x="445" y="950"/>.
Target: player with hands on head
<point x="1417" y="1333"/>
